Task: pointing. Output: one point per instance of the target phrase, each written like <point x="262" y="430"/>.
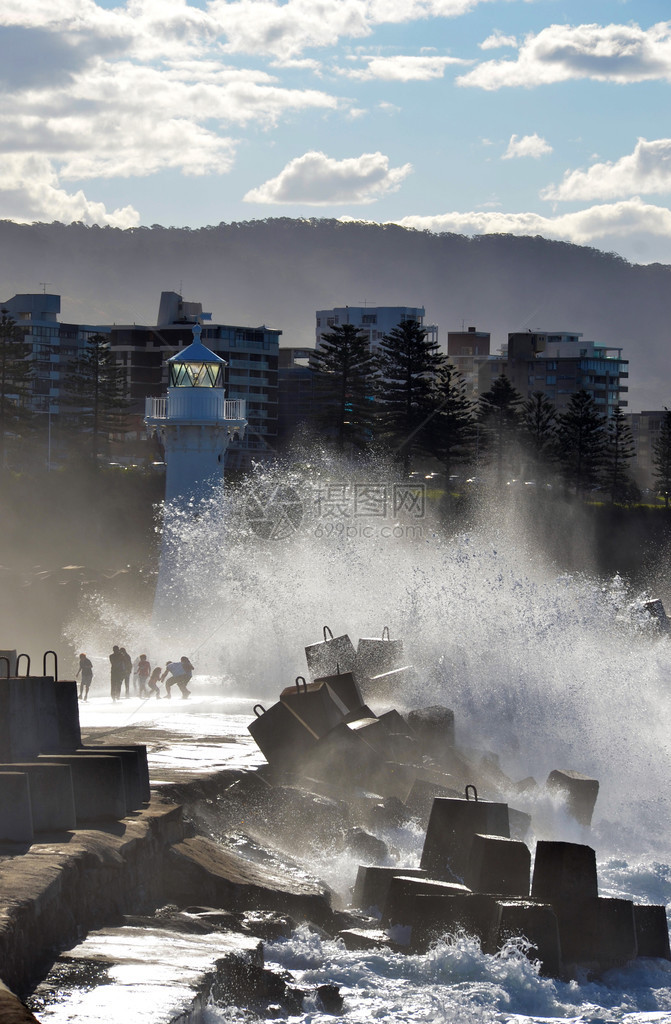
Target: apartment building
<point x="375" y="321"/>
<point x="558" y="364"/>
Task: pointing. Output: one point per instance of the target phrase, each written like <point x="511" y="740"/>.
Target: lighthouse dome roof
<point x="196" y="352"/>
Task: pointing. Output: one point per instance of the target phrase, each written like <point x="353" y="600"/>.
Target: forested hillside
<point x="278" y="272"/>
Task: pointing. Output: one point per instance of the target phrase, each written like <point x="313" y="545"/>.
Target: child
<point x="153" y="682"/>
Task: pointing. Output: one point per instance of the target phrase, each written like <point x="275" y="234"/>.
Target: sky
<point x="532" y="117"/>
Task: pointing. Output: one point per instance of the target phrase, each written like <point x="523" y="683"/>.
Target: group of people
<point x="145" y="679"/>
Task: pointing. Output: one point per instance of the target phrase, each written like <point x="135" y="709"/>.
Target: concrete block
<point x="534" y="921"/>
<point x="422" y="795"/>
<point x="52" y="800"/>
<point x="564" y="872"/>
<point x="372" y="885"/>
<point x="399" y="906"/>
<point x="449" y="836"/>
<point x="597" y="933"/>
<point x="438" y="914"/>
<point x="19" y="733"/>
<point x="652" y="931"/>
<point x="140" y="751"/>
<point x="281" y="737"/>
<point x="10" y="659"/>
<point x="330" y="656"/>
<point x="579" y="791"/>
<point x="133" y="770"/>
<point x="345" y="688"/>
<point x="434" y="727"/>
<point x="498" y="865"/>
<point x="390" y="686"/>
<point x="315" y="705"/>
<point x="98" y="785"/>
<point x="67" y="709"/>
<point x="16" y="819"/>
<point x="375" y="655"/>
<point x="520" y="823"/>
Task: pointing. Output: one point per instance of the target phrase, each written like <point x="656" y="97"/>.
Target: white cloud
<point x="496" y="40"/>
<point x="403" y="69"/>
<point x="286" y="29"/>
<point x="646" y="170"/>
<point x="315" y="179"/>
<point x="527" y="145"/>
<point x="29" y="191"/>
<point x="626" y="220"/>
<point x="606" y="53"/>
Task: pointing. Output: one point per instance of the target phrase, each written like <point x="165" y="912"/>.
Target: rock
<point x="329" y="998"/>
<point x="390" y="813"/>
<point x="268" y="924"/>
<point x="201" y="869"/>
<point x="12" y="1010"/>
<point x="366" y="846"/>
<point x="366" y="938"/>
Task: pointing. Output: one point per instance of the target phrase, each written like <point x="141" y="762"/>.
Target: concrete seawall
<point x="65" y="884"/>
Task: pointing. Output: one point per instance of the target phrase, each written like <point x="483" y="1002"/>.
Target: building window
<point x="369" y="318"/>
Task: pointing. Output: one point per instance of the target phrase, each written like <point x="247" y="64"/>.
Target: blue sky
<point x="527" y="116"/>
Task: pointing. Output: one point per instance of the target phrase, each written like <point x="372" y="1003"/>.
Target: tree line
<point x="408" y="397"/>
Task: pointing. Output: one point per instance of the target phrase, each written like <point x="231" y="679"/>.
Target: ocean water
<point x="543" y="668"/>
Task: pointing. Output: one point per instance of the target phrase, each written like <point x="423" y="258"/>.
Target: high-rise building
<point x="375" y="321"/>
<point x="467" y="350"/>
<point x="55" y="346"/>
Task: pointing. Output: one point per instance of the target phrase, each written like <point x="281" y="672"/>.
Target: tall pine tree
<point x="407" y="364"/>
<point x="96" y="390"/>
<point x="499" y="413"/>
<point x="581" y="442"/>
<point x="538" y="433"/>
<point x="16" y="373"/>
<point x="620" y="450"/>
<point x="661" y="458"/>
<point x="343" y="364"/>
<point x="451" y="430"/>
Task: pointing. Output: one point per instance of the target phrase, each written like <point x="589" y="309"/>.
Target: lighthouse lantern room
<point x="194" y="421"/>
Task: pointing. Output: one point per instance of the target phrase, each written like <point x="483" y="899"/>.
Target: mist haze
<point x="277" y="272"/>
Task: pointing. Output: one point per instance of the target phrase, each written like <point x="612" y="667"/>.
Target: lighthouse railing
<point x="194" y="404"/>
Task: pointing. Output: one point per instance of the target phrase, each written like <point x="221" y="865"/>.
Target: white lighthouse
<point x="194" y="422"/>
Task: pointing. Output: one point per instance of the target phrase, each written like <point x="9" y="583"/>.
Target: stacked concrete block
<point x="498" y="865"/>
<point x="376" y="656"/>
<point x="330" y="656"/>
<point x="593" y="931"/>
<point x="652" y="931"/>
<point x="16" y="820"/>
<point x="579" y="792"/>
<point x="52" y="801"/>
<point x="534" y="921"/>
<point x="400" y="905"/>
<point x="98" y="785"/>
<point x="453" y="824"/>
<point x="372" y="885"/>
